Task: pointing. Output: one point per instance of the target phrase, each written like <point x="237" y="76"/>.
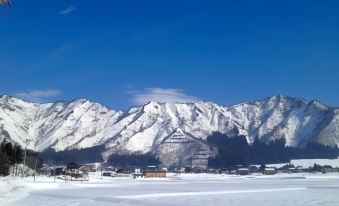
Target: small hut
<point x="155" y="174"/>
<point x="243" y="171"/>
<point x="270" y="171"/>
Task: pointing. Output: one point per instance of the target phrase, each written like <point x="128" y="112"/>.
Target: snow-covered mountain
<point x="175" y="132"/>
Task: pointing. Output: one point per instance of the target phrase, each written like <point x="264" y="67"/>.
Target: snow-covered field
<point x="202" y="189"/>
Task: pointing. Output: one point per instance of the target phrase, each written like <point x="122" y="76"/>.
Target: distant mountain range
<point x="173" y="132"/>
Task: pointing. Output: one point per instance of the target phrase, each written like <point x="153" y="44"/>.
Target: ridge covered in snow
<point x="175" y="132"/>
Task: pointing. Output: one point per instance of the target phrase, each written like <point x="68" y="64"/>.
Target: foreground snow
<point x="188" y="189"/>
<point x="11" y="189"/>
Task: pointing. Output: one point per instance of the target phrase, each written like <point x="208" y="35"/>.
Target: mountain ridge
<point x="165" y="129"/>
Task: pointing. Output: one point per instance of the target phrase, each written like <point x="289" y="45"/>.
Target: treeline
<point x="10" y="156"/>
<point x="124" y="161"/>
<point x="236" y="151"/>
<point x="81" y="156"/>
<point x="93" y="154"/>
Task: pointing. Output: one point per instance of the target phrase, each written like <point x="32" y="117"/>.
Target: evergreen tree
<point x="4" y="164"/>
<point x="262" y="168"/>
<point x="4" y="161"/>
<point x="10" y="153"/>
<point x="19" y="157"/>
<point x="3" y="146"/>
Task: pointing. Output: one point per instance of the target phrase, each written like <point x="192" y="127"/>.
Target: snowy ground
<point x="11" y="189"/>
<point x="186" y="190"/>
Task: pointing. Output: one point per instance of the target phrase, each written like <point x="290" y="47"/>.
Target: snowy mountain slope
<point x="175" y="132"/>
<point x="61" y="125"/>
<point x="329" y="131"/>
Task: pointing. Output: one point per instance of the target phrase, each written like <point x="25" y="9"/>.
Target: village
<point x="81" y="172"/>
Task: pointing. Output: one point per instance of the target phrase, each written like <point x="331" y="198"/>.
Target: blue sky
<point x="122" y="53"/>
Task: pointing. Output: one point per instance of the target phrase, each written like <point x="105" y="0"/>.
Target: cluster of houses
<point x="72" y="171"/>
<point x="80" y="172"/>
<point x="247" y="170"/>
<point x="288" y="169"/>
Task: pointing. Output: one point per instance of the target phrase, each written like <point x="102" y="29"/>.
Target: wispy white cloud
<point x="68" y="10"/>
<point x="63" y="49"/>
<point x="160" y="95"/>
<point x="130" y="87"/>
<point x="38" y="95"/>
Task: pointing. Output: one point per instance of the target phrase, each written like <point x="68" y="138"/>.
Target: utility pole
<point x="23" y="166"/>
<point x="36" y="162"/>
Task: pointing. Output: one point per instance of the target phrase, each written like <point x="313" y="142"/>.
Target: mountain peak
<point x="281" y="97"/>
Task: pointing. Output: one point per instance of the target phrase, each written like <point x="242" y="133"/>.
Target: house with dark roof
<point x="76" y="172"/>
